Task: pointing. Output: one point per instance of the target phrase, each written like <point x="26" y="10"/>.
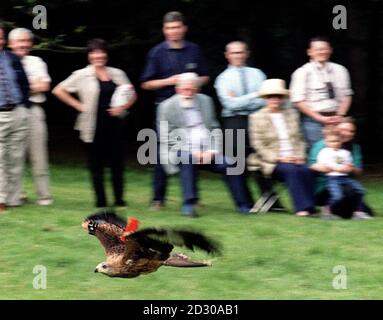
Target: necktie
<point x="242" y="76"/>
<point x="4" y="88"/>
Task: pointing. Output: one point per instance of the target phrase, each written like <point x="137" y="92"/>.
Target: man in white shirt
<point x="321" y="90"/>
<point x="21" y="42"/>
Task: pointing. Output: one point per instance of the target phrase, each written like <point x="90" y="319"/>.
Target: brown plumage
<point x="130" y="254"/>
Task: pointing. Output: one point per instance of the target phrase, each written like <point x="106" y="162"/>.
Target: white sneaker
<point x="358" y="215"/>
<point x="44" y="202"/>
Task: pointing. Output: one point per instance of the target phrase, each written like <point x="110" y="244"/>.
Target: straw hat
<point x="273" y="87"/>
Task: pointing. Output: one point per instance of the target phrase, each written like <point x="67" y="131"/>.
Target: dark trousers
<point x="107" y="150"/>
<point x="235" y="123"/>
<point x="335" y="186"/>
<point x="241" y="122"/>
<point x="159" y="180"/>
<point x="189" y="173"/>
<point x="299" y="180"/>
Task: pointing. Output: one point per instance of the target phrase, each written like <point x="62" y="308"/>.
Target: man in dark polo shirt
<point x="14" y="94"/>
<point x="164" y="63"/>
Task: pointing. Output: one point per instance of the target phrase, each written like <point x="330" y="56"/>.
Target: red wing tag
<point x="131" y="227"/>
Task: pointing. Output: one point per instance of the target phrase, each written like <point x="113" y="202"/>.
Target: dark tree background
<point x="276" y="31"/>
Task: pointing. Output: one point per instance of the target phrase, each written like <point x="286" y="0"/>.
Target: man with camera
<point x="321" y="90"/>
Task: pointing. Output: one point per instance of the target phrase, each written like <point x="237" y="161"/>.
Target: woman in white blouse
<point x="275" y="133"/>
<point x="100" y="122"/>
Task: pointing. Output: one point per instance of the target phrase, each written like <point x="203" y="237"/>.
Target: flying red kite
<point x="130" y="253"/>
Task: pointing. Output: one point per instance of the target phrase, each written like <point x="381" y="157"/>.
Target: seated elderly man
<point x="190" y="139"/>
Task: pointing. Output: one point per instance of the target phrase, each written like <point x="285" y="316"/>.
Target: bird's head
<point x="105" y="268"/>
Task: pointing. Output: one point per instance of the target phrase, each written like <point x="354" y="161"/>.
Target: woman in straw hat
<point x="276" y="135"/>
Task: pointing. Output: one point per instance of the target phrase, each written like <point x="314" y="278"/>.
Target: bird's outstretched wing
<point x="162" y="240"/>
<point x="144" y="247"/>
<point x="149" y="243"/>
<point x="108" y="228"/>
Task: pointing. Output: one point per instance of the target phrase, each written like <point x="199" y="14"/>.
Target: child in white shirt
<point x="339" y="165"/>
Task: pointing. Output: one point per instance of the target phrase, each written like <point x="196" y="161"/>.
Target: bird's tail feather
<point x="176" y="261"/>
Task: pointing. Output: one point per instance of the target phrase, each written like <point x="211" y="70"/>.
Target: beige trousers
<point x="37" y="151"/>
<point x="13" y="133"/>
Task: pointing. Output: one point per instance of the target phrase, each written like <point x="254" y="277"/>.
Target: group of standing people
<point x="273" y="135"/>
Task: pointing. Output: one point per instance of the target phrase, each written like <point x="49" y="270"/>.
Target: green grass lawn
<point x="271" y="256"/>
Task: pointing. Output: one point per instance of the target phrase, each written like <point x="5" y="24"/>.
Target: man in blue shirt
<point x="14" y="94"/>
<point x="237" y="89"/>
<point x="164" y="63"/>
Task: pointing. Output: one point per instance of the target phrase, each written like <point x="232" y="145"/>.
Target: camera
<point x="330" y="90"/>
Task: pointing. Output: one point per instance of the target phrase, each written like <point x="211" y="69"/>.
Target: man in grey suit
<point x="190" y="139"/>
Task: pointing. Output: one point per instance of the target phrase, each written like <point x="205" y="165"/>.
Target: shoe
<point x="245" y="210"/>
<point x="360" y="215"/>
<point x="44" y="202"/>
<point x="302" y="214"/>
<point x="157" y="205"/>
<point x="188" y="210"/>
<point x="3" y="208"/>
<point x="120" y="204"/>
